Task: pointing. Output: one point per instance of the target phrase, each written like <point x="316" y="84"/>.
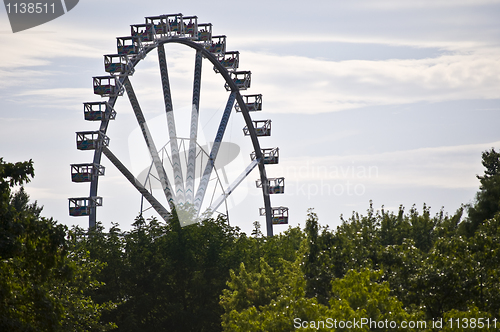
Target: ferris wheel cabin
<point x="91" y="140"/>
<point x="159" y="24"/>
<point x="217" y="46"/>
<point x="262" y="128"/>
<point x="81" y="206"/>
<point x="270" y="155"/>
<point x="107" y="86"/>
<point x="242" y="79"/>
<point x="127" y="45"/>
<point x="118" y="63"/>
<point x="205" y="32"/>
<point x="230" y="61"/>
<point x="143" y="32"/>
<point x="279" y="215"/>
<point x="97" y="111"/>
<point x="253" y="103"/>
<point x="190" y="26"/>
<point x="85" y="172"/>
<point x="170" y="25"/>
<point x="276" y="185"/>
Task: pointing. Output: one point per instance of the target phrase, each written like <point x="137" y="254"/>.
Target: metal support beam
<point x="165" y="183"/>
<point x="191" y="166"/>
<point x="200" y="194"/>
<point x="137" y="184"/>
<point x="215" y="205"/>
<point x="176" y="160"/>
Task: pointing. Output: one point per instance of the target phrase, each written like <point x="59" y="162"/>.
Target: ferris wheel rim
<point x="233" y="88"/>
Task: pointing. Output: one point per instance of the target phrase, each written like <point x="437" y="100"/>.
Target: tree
<point x="276" y="301"/>
<point x="316" y="268"/>
<point x="267" y="299"/>
<point x="164" y="277"/>
<point x="484" y="251"/>
<point x="470" y="320"/>
<point x="10" y="176"/>
<point x="42" y="279"/>
<point x="487" y="202"/>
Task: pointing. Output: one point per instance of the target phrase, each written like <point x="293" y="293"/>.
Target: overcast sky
<point x="389" y="101"/>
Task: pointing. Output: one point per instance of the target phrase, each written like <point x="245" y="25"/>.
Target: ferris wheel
<point x="184" y="173"/>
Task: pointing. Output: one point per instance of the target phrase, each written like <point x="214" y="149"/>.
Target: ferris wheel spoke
<point x="137" y="184"/>
<point x="233" y="185"/>
<point x="191" y="165"/>
<point x="149" y="142"/>
<point x="200" y="194"/>
<point x="176" y="161"/>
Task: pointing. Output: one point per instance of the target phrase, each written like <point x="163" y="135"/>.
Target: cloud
<point x="53" y="98"/>
<point x="290" y="84"/>
<point x="293" y="84"/>
<point x="37" y="48"/>
<point x="453" y="167"/>
<point x="398" y="5"/>
<point x="250" y="42"/>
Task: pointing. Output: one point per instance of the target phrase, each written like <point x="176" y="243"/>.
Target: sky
<point x="386" y="101"/>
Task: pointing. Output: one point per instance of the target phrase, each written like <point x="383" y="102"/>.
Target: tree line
<point x="442" y="270"/>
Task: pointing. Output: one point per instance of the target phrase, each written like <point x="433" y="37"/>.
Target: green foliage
<point x="316" y="267"/>
<point x="164" y="277"/>
<point x="42" y="277"/>
<point x="11" y="175"/>
<point x="429" y="266"/>
<point x="405" y="265"/>
<point x="357" y="296"/>
<point x="251" y="289"/>
<point x="15" y="174"/>
<point x="470" y="320"/>
<point x="267" y="300"/>
<point x="361" y="295"/>
<point x="487" y="202"/>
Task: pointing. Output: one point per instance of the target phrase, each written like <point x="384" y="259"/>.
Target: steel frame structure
<point x="154" y="34"/>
